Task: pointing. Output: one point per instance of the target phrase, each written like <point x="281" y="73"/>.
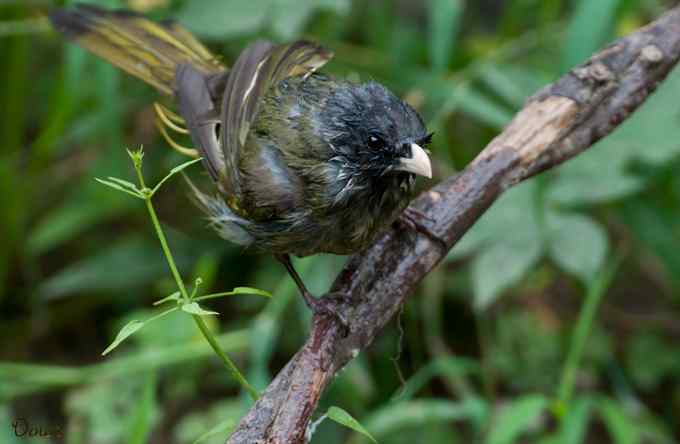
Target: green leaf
<point x="590" y="28"/>
<point x="250" y="290"/>
<point x="176" y="296"/>
<point x="235" y="291"/>
<point x="342" y="417"/>
<point x="444" y="18"/>
<point x="194" y="308"/>
<point x="124" y="183"/>
<point x="181" y="167"/>
<point x="583" y="180"/>
<point x="118" y="187"/>
<point x="502" y="265"/>
<point x="129" y="329"/>
<point x="620" y="427"/>
<point x="576" y="243"/>
<point x="504" y="259"/>
<point x="514" y="212"/>
<point x="132" y="327"/>
<point x="172" y="172"/>
<point x="515" y="418"/>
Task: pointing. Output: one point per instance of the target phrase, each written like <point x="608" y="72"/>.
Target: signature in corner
<point x="23" y="428"/>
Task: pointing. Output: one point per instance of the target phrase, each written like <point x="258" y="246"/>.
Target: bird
<point x="302" y="162"/>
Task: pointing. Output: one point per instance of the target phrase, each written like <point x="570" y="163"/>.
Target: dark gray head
<point x="374" y="135"/>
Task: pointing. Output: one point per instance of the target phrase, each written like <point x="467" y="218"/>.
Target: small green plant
<point x="343" y="418"/>
<point x="181" y="299"/>
<point x="584" y="325"/>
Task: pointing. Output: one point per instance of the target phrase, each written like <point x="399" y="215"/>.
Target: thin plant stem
<point x="228" y="363"/>
<point x="213" y="296"/>
<point x="485" y="340"/>
<point x="596" y="290"/>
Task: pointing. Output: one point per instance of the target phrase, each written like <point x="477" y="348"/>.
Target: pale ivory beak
<point x="418" y="163"/>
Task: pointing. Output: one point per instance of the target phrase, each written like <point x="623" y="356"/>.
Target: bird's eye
<point x="375" y="142"/>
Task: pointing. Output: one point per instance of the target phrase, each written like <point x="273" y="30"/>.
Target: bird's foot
<point x="418" y="221"/>
<point x="332" y="305"/>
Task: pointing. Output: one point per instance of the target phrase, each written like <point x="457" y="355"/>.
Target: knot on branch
<point x="651" y="54"/>
<point x="594" y="73"/>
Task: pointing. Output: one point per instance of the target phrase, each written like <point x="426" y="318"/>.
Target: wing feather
<point x="260" y="66"/>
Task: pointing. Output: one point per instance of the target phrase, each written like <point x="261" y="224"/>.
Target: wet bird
<point x="303" y="162"/>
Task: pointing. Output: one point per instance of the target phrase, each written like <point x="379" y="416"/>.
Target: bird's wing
<point x="199" y="108"/>
<point x="258" y="68"/>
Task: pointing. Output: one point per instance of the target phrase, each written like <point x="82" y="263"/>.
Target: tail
<point x="148" y="50"/>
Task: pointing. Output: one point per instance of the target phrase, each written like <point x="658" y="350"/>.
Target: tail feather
<point x="222" y="218"/>
<point x="148" y="50"/>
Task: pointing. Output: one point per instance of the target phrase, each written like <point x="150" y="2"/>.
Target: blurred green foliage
<point x="556" y="320"/>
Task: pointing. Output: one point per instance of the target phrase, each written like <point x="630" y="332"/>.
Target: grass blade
<point x="342" y="417"/>
<point x="516" y="418"/>
<point x="445" y="18"/>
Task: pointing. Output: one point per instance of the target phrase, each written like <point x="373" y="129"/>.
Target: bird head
<point x="375" y="136"/>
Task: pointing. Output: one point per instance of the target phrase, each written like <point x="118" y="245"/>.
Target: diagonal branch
<point x="562" y="120"/>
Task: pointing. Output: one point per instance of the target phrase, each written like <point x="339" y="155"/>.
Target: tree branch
<point x="559" y="122"/>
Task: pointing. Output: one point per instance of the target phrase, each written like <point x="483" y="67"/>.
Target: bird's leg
<point x="306" y="295"/>
<point x="413" y="220"/>
<point x="326" y="305"/>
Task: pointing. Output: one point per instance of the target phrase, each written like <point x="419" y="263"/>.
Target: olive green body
<point x="291" y="185"/>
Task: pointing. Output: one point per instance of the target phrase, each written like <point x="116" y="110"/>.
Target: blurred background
<point x="555" y="320"/>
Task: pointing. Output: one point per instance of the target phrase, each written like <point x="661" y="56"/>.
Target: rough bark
<point x="562" y="120"/>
